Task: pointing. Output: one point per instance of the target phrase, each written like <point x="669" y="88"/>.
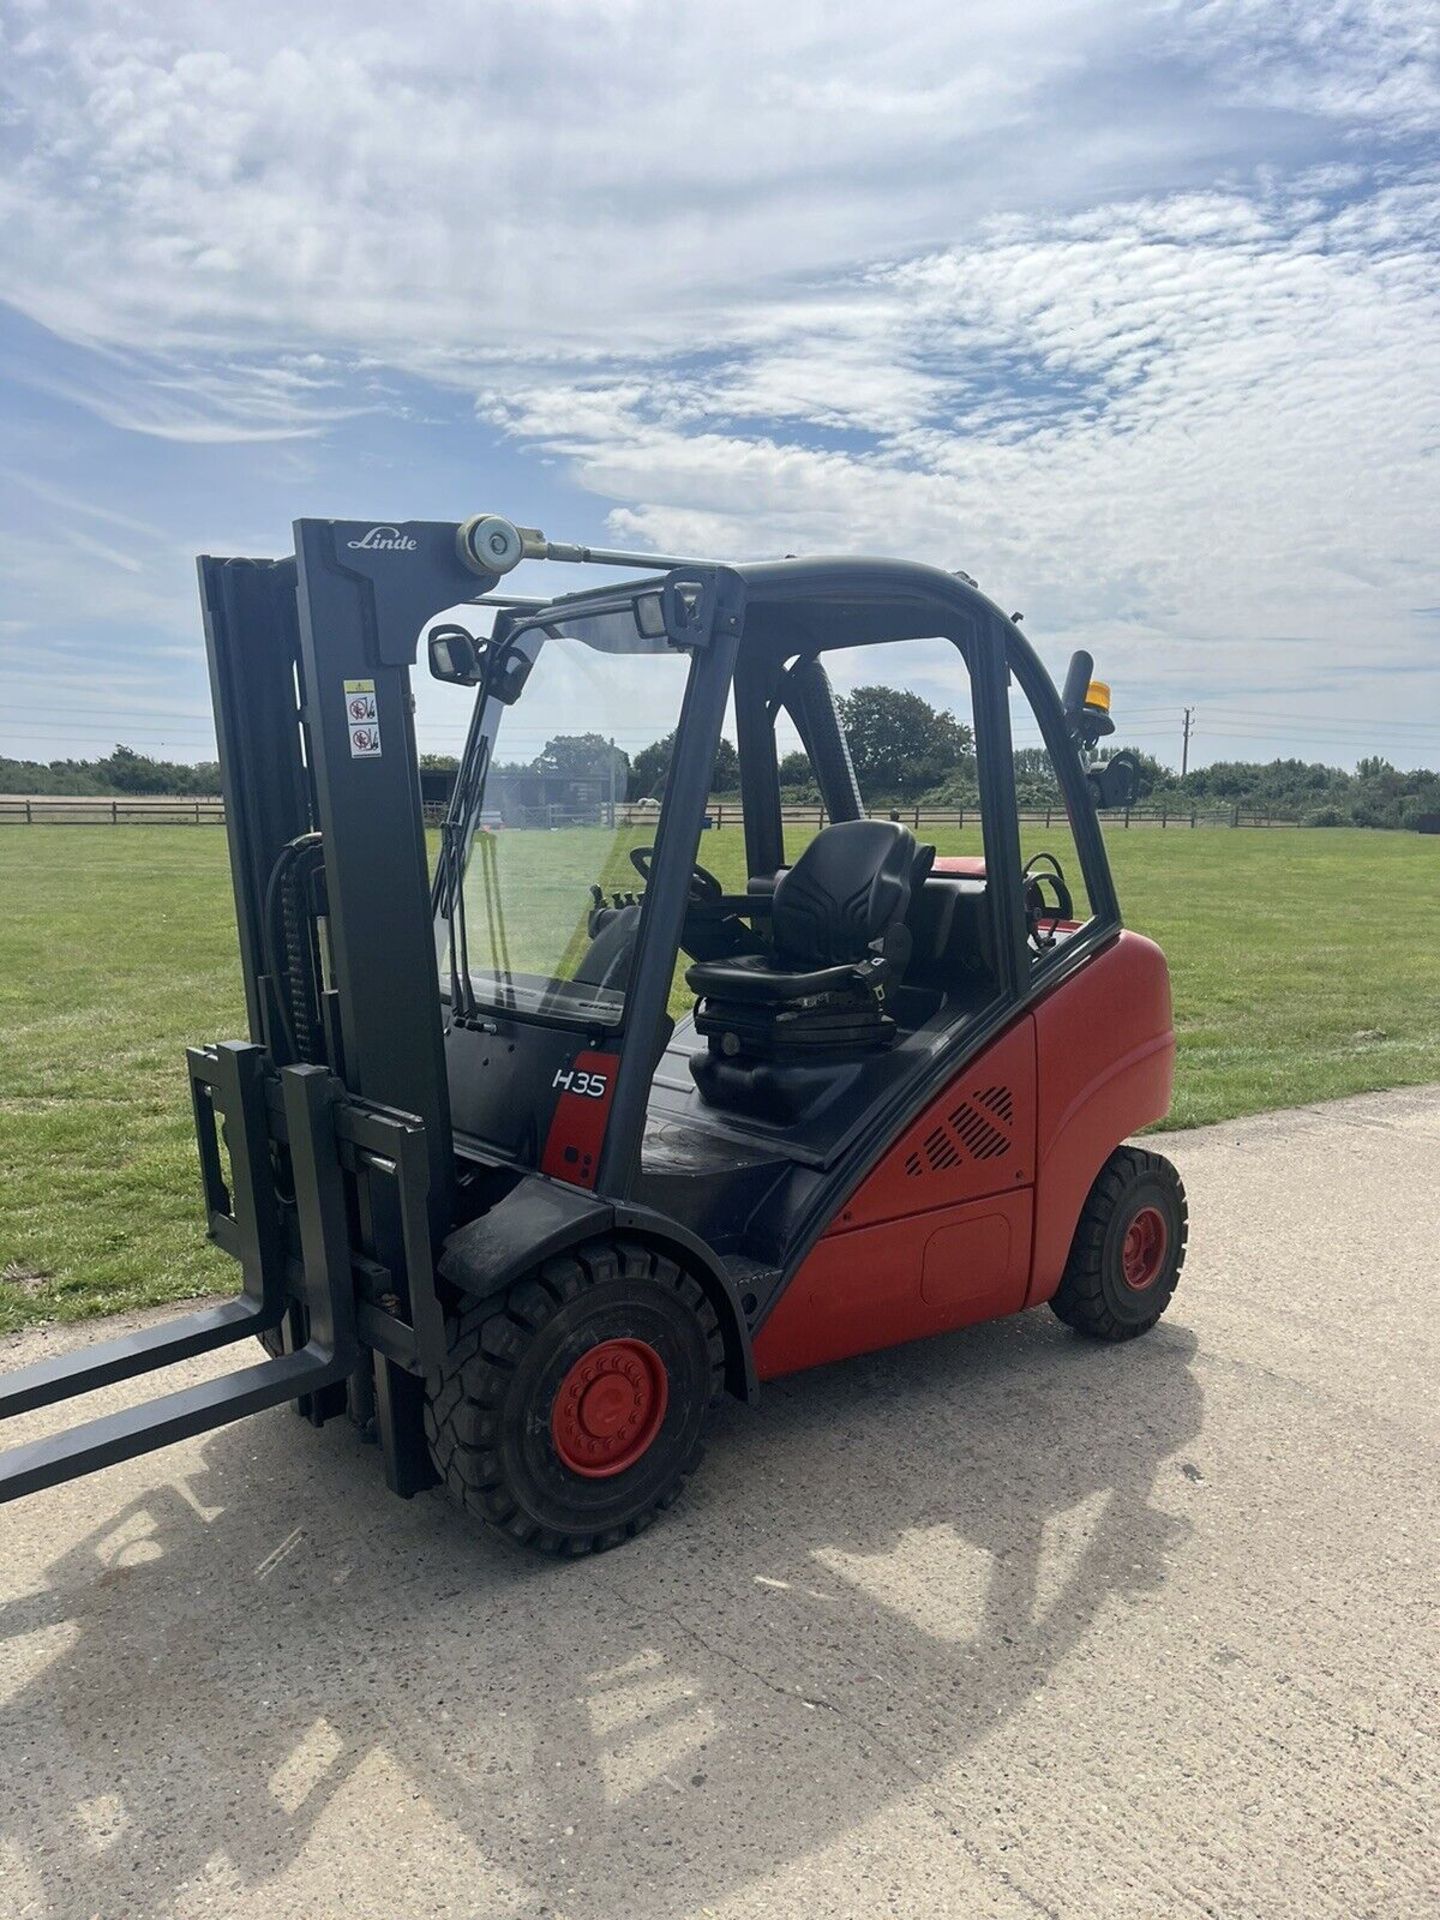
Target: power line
<point x="1259" y="713"/>
<point x="1318" y="733"/>
<point x="122" y="735"/>
<point x="1330" y="722"/>
<point x="78" y="716"/>
<point x="95" y="713"/>
<point x="1141" y="724"/>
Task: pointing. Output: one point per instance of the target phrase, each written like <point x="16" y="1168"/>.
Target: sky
<point x="1129" y="310"/>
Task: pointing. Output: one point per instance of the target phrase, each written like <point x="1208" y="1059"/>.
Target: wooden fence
<point x="85" y="810"/>
<point x="99" y="810"/>
<point x="727" y="813"/>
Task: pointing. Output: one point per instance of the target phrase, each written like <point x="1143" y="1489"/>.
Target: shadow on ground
<point x="873" y="1572"/>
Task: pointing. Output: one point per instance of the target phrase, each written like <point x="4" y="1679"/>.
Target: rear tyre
<point x="570" y="1415"/>
<point x="1128" y="1249"/>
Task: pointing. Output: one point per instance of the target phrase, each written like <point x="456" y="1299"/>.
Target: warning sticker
<point x="362" y="716"/>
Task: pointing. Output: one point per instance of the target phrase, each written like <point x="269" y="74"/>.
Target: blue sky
<point x="1129" y="310"/>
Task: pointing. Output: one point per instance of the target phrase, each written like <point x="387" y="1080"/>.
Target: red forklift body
<point x="971" y="1213"/>
<point x="493" y="1190"/>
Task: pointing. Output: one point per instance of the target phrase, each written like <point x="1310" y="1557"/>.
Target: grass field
<point x="1305" y="964"/>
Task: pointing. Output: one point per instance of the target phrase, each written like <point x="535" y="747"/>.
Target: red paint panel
<point x="977" y="1137"/>
<point x="939" y="1235"/>
<point x="583" y="1091"/>
<point x="1105" y="1042"/>
<point x="970" y="1258"/>
<point x="966" y="866"/>
<point x="876" y="1286"/>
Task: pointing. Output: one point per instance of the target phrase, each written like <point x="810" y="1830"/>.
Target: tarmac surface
<point x="1003" y="1624"/>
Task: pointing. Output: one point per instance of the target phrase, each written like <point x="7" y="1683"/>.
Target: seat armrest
<point x="755" y="978"/>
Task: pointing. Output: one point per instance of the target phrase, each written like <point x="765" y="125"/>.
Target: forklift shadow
<point x="251" y="1676"/>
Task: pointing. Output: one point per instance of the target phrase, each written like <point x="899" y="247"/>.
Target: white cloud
<point x="545" y="178"/>
<point x="1131" y="311"/>
<point x="1373" y="62"/>
<point x="1209" y="421"/>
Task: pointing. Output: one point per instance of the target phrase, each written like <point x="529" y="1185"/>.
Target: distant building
<point x="523" y="797"/>
<point x="436" y="786"/>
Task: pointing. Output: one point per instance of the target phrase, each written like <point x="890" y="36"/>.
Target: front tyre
<point x="1128" y="1249"/>
<point x="570" y="1415"/>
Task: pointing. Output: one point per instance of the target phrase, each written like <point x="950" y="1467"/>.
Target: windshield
<point x="573" y="786"/>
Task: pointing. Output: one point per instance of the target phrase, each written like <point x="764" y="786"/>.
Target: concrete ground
<point x="1004" y="1624"/>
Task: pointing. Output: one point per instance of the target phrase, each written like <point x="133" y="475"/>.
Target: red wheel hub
<point x="609" y="1408"/>
<point x="1143" y="1254"/>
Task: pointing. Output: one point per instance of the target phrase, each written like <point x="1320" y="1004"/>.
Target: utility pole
<point x="1185" y="743"/>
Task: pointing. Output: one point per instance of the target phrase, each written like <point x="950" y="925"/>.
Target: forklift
<point x="488" y="1195"/>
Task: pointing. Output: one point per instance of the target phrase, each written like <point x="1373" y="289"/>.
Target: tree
<point x="59" y="776"/>
<point x="650" y="769"/>
<point x="900" y="744"/>
<point x="726" y="775"/>
<point x="583" y="756"/>
<point x="1035" y="782"/>
<point x="125" y="771"/>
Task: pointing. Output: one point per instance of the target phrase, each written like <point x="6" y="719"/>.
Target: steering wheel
<point x="1042" y="917"/>
<point x="705" y="889"/>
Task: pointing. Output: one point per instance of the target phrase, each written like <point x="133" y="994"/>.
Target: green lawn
<point x="1306" y="965"/>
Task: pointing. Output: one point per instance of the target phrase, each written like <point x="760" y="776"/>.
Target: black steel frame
<point x="333" y="1180"/>
<point x="340" y="1171"/>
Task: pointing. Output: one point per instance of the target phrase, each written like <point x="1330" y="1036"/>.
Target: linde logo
<point x="386" y="539"/>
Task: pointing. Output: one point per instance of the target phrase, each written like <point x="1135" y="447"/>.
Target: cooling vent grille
<point x="980" y="1128"/>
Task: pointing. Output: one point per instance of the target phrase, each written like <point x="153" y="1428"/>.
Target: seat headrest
<point x="849" y="885"/>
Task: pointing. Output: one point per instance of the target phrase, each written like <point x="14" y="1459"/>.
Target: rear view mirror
<point x="507" y="668"/>
<point x="456" y="656"/>
<point x="1115" y="782"/>
<point x="650" y="615"/>
<point x="461" y="660"/>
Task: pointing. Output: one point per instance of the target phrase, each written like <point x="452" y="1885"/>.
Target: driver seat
<point x="839" y="940"/>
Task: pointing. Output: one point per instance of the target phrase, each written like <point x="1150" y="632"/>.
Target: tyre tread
<point x="484" y="1349"/>
<point x="1080" y="1301"/>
